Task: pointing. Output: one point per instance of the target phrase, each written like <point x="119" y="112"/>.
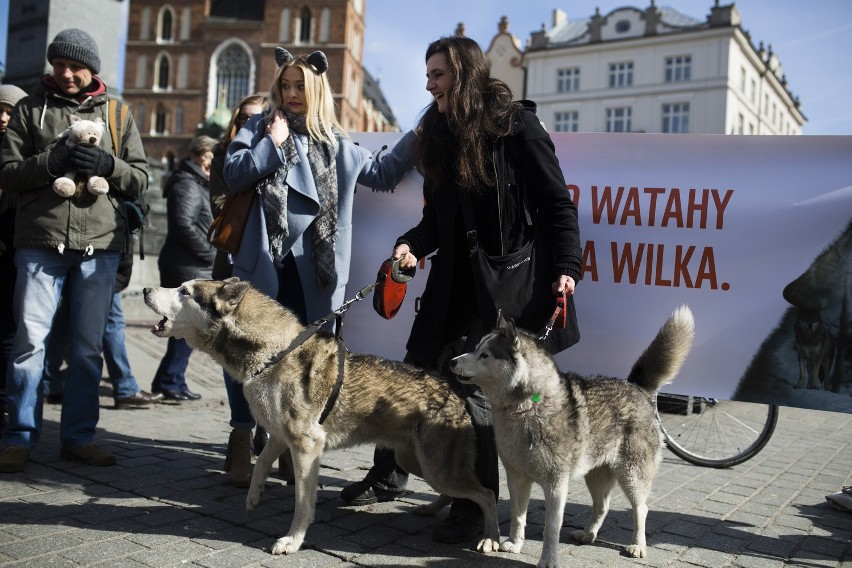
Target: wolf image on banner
<point x="807" y="359"/>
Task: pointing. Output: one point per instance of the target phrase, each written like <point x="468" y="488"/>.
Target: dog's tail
<point x="662" y="360"/>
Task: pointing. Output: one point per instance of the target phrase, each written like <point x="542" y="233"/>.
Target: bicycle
<point x="714" y="433"/>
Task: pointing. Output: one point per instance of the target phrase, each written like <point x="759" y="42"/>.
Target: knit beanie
<point x="75" y="45"/>
<point x="10" y="95"/>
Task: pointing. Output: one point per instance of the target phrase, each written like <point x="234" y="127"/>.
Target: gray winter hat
<point x="75" y="45"/>
<point x="10" y="95"/>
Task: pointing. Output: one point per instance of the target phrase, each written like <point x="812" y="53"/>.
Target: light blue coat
<point x="252" y="155"/>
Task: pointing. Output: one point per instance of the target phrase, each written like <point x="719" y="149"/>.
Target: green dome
<point x="216" y="124"/>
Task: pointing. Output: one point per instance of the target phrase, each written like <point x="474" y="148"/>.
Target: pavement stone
<point x="166" y="502"/>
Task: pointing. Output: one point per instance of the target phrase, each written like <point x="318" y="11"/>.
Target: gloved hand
<point x="91" y="160"/>
<point x="58" y="160"/>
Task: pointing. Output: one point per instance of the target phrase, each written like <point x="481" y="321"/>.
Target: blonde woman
<point x="298" y="238"/>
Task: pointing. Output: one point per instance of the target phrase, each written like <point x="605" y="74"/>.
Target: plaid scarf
<point x="274" y="189"/>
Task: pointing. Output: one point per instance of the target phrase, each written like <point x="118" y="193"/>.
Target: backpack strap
<point x="117" y="115"/>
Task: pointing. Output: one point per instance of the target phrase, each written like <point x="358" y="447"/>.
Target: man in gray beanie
<point x="75" y="45"/>
<point x="60" y="240"/>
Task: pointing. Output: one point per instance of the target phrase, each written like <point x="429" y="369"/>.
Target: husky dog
<point x="552" y="426"/>
<point x="392" y="404"/>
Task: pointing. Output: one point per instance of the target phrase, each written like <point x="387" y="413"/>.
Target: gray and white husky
<point x="417" y="414"/>
<point x="552" y="426"/>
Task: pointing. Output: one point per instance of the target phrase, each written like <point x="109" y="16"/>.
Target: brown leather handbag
<point x="226" y="230"/>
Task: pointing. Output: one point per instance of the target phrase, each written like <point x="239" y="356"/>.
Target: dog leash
<point x="558" y="315"/>
<point x="341" y="348"/>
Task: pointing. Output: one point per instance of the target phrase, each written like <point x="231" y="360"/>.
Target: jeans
<point x="171" y="374"/>
<point x="115" y="352"/>
<point x="241" y="418"/>
<point x="41" y="273"/>
<point x="56" y="349"/>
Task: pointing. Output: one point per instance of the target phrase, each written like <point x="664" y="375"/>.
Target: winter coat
<point x="448" y="302"/>
<point x="252" y="156"/>
<point x="43" y="218"/>
<point x="186" y="252"/>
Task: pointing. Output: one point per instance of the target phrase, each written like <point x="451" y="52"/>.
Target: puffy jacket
<point x="45" y="219"/>
<point x="186" y="253"/>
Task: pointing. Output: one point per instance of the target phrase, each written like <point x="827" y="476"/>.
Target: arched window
<point x="284" y="32"/>
<point x="163" y="75"/>
<point x="165" y="25"/>
<point x="305" y="26"/>
<point x="233" y="67"/>
<point x="160" y="120"/>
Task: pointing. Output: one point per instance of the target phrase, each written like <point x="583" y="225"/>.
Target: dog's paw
<point x="488" y="545"/>
<point x="513" y="546"/>
<point x="548" y="563"/>
<point x="286" y="545"/>
<point x="636" y="551"/>
<point x="583" y="537"/>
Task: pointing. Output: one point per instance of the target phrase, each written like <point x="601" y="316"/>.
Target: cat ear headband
<point x="317" y="59"/>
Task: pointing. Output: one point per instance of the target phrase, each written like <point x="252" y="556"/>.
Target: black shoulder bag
<point x="508" y="282"/>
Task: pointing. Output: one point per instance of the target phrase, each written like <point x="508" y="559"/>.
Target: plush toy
<point x="81" y="131"/>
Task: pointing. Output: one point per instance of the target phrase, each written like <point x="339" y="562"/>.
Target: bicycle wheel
<point x="714" y="433"/>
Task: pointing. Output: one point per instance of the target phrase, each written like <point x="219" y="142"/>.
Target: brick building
<point x="184" y="56"/>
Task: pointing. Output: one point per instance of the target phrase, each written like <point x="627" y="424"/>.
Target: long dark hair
<point x="479" y="110"/>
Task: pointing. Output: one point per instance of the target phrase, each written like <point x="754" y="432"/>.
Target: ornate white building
<point x="654" y="70"/>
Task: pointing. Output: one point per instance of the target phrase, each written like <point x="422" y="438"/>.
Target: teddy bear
<point x="81" y="131"/>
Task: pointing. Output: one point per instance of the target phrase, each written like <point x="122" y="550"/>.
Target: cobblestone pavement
<point x="166" y="502"/>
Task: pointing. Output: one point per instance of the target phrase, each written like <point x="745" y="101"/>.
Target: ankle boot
<point x="285" y="467"/>
<point x="238" y="458"/>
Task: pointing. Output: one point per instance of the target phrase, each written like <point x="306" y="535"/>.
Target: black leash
<point x="341" y="347"/>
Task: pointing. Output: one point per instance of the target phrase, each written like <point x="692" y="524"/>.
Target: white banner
<point x="721" y="223"/>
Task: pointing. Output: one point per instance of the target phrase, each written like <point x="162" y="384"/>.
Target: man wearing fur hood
<point x="77" y="239"/>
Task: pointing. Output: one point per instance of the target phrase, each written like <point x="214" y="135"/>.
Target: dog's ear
<point x="510" y="332"/>
<point x="230" y="295"/>
<point x="501" y="323"/>
<point x="231" y="280"/>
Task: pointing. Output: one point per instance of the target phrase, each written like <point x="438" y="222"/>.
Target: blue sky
<point x="812" y="40"/>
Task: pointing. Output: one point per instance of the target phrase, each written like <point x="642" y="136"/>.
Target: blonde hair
<point x="320" y="118"/>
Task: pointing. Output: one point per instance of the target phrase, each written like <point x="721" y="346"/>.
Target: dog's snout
<point x="453" y="363"/>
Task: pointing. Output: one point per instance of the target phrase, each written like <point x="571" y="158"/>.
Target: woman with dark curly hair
<point x="476" y="145"/>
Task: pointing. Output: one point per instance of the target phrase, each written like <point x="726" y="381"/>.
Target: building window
<point x="162" y="73"/>
<point x="622" y="26"/>
<point x="678" y="68"/>
<point x="140" y="117"/>
<point x="618" y="119"/>
<point x="325" y="22"/>
<point x="742" y="80"/>
<point x="740" y="124"/>
<point x="232" y="74"/>
<point x="305" y="26"/>
<point x="676" y="117"/>
<point x="621" y="74"/>
<point x="160" y="120"/>
<point x="284" y="30"/>
<point x="568" y="80"/>
<point x="179" y="119"/>
<point x="566" y="121"/>
<point x="141" y="71"/>
<point x="165" y="24"/>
